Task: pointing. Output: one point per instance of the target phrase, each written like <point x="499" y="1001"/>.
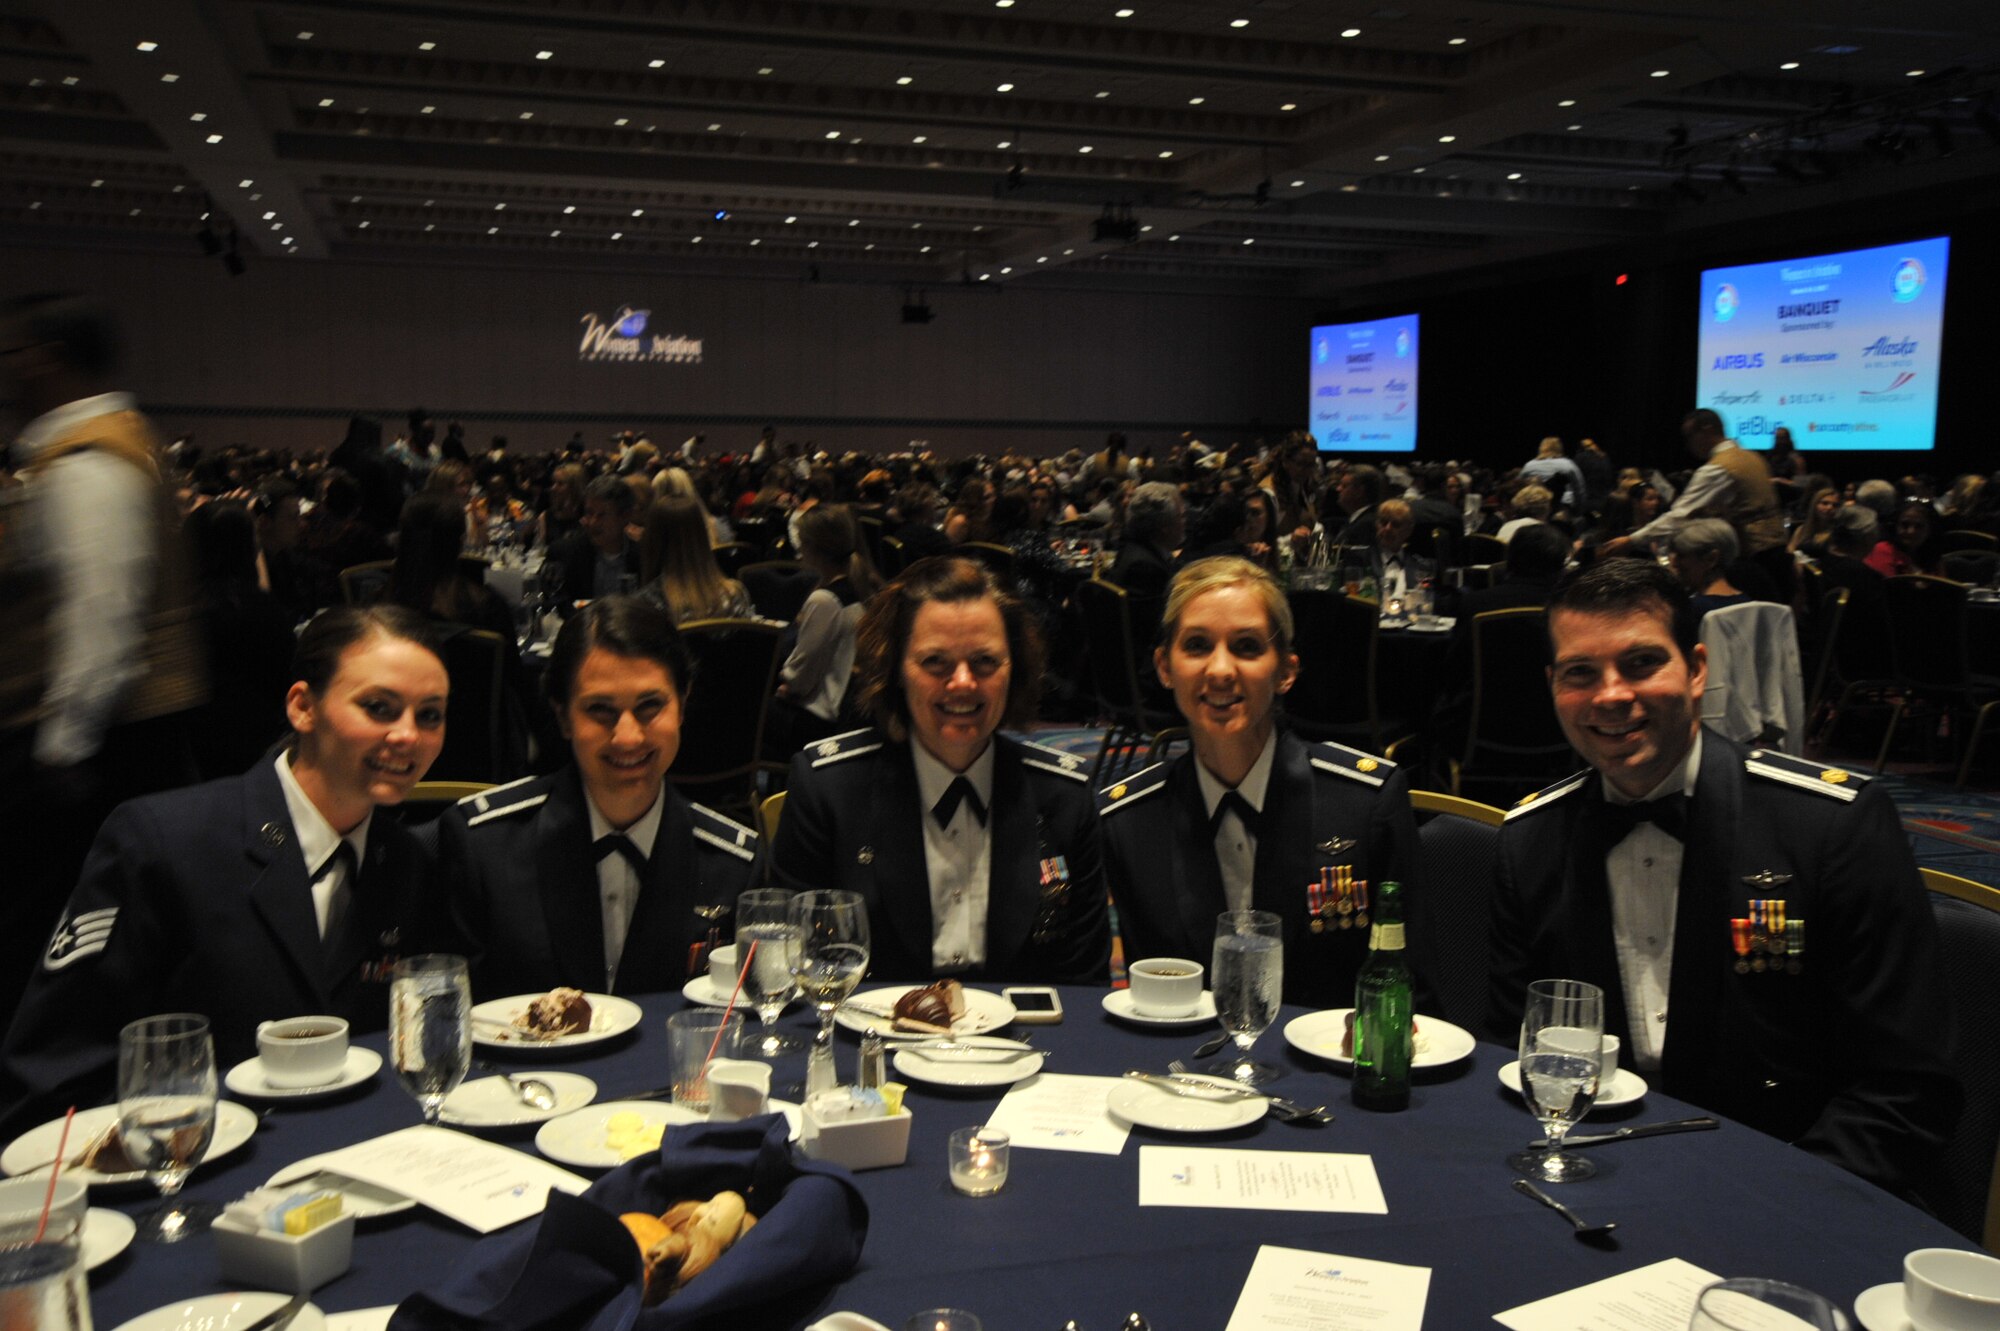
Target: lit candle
<point x="978" y="1161"/>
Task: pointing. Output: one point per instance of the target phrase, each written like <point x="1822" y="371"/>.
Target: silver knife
<point x="280" y="1317"/>
<point x="1703" y="1124"/>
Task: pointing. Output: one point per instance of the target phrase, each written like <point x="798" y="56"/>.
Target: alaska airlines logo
<point x="1882" y="346"/>
<point x="1396" y="386"/>
<point x="623" y="337"/>
<point x="1739" y="361"/>
<point x="1726" y="303"/>
<point x="1908" y="282"/>
<point x="1894" y="384"/>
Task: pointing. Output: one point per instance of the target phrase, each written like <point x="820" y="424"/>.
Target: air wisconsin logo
<point x="624" y="337"/>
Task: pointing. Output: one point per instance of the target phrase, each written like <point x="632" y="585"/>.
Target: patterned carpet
<point x="1957" y="831"/>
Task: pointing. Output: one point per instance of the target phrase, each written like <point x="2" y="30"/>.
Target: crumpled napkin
<point x="578" y="1269"/>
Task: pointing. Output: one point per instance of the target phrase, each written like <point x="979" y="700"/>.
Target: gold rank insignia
<point x="1528" y="798"/>
<point x="1118" y="792"/>
<point x="1366" y="765"/>
<point x="1833" y="776"/>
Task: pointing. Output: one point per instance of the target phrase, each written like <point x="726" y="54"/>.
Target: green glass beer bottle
<point x="1382" y="1011"/>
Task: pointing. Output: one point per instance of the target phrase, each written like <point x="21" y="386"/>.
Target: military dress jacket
<point x="198" y="900"/>
<point x="1326" y="807"/>
<point x="853" y="819"/>
<point x="521" y="882"/>
<point x="1837" y="1039"/>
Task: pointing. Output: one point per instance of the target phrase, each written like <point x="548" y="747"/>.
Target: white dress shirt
<point x="331" y="888"/>
<point x="1644" y="873"/>
<point x="1709" y="487"/>
<point x="959" y="859"/>
<point x="1235" y="844"/>
<point x="618" y="882"/>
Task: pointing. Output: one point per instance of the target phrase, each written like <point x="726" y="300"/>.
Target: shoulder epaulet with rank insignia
<point x="723" y="833"/>
<point x="838" y="748"/>
<point x="1833" y="782"/>
<point x="1350" y="763"/>
<point x="1054" y="760"/>
<point x="515" y="797"/>
<point x="1132" y="789"/>
<point x="1541" y="799"/>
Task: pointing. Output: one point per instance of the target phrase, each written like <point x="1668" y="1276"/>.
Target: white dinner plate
<point x="1443" y="624"/>
<point x="1624" y="1087"/>
<point x="578" y="1138"/>
<point x="1881" y="1308"/>
<point x="35" y="1148"/>
<point x="361" y="1319"/>
<point x="220" y="1312"/>
<point x="247" y="1078"/>
<point x="846" y="1322"/>
<point x="1119" y="1004"/>
<point x="106" y="1233"/>
<point x="492" y="1102"/>
<point x="968" y="1068"/>
<point x="704" y="990"/>
<point x="1320" y="1034"/>
<point x="610" y="1017"/>
<point x="1145" y="1106"/>
<point x="984" y="1011"/>
<point x="363" y="1201"/>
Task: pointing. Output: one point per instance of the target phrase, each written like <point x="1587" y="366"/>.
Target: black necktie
<point x="1232" y="799"/>
<point x="617" y="843"/>
<point x="343" y="888"/>
<point x="1668" y="813"/>
<point x="947" y="805"/>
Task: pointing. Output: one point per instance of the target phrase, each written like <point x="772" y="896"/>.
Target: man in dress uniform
<point x="1756" y="922"/>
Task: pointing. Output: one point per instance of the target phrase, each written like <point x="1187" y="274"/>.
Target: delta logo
<point x="1882" y="346"/>
<point x="1740" y="361"/>
<point x="1894" y="384"/>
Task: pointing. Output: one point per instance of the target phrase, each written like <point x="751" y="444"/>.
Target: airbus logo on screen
<point x="1882" y="346"/>
<point x="1739" y="361"/>
<point x="1726" y="303"/>
<point x="1330" y="390"/>
<point x="624" y="338"/>
<point x="1908" y="283"/>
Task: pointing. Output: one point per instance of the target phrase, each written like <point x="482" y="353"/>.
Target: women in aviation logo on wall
<point x="1908" y="283"/>
<point x="624" y="337"/>
<point x="1726" y="301"/>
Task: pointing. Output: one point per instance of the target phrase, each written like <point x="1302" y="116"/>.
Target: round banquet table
<point x="1067" y="1239"/>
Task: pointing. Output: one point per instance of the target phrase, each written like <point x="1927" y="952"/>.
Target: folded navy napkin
<point x="578" y="1268"/>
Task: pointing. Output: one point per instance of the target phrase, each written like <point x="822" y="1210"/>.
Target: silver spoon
<point x="533" y="1091"/>
<point x="1588" y="1233"/>
<point x="1210" y="1046"/>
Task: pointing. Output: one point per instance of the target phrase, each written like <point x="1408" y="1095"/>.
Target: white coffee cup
<point x="302" y="1051"/>
<point x="722" y="968"/>
<point x="1949" y="1289"/>
<point x="737" y="1088"/>
<point x="21" y="1208"/>
<point x="1612" y="1044"/>
<point x="1165" y="986"/>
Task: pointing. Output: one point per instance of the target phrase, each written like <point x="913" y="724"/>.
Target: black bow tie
<point x="1668" y="813"/>
<point x="1232" y="799"/>
<point x="617" y="843"/>
<point x="947" y="805"/>
<point x="343" y="855"/>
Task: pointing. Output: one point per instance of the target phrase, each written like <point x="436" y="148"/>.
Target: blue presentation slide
<point x="1842" y="349"/>
<point x="1364" y="386"/>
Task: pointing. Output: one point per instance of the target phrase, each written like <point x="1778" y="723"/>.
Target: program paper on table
<point x="1659" y="1297"/>
<point x="1058" y="1112"/>
<point x="1259" y="1180"/>
<point x="481" y="1185"/>
<point x="1290" y="1289"/>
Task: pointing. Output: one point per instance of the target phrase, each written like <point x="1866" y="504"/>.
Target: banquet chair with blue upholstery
<point x="1456" y="842"/>
<point x="722" y="722"/>
<point x="1968" y="918"/>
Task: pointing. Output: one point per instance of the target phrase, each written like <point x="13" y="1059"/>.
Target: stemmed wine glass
<point x="770" y="981"/>
<point x="430" y="1027"/>
<point x="1249" y="979"/>
<point x="832" y="958"/>
<point x="166" y="1114"/>
<point x="1562" y="1055"/>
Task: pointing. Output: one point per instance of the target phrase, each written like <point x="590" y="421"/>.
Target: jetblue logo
<point x="1882" y="346"/>
<point x="1739" y="361"/>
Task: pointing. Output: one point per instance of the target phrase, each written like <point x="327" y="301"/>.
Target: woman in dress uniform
<point x="978" y="854"/>
<point x="599" y="877"/>
<point x="271" y="894"/>
<point x="1253" y="818"/>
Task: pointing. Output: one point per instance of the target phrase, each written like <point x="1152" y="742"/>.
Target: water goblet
<point x="166" y="1114"/>
<point x="430" y="1027"/>
<point x="1248" y="973"/>
<point x="763" y="917"/>
<point x="832" y="958"/>
<point x="1562" y="1057"/>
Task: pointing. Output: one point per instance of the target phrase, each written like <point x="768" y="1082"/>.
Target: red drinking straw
<point x="748" y="957"/>
<point x="62" y="1150"/>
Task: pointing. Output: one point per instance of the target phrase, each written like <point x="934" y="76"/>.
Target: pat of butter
<point x="627" y="1134"/>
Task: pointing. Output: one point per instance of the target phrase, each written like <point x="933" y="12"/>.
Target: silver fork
<point x="1001" y="1055"/>
<point x="1289" y="1111"/>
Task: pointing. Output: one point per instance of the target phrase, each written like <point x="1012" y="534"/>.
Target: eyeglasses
<point x="983" y="665"/>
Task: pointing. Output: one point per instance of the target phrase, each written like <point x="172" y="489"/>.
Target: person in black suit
<point x="1391" y="563"/>
<point x="1253" y="817"/>
<point x="917" y="533"/>
<point x="599" y="877"/>
<point x="1757" y="923"/>
<point x="598" y="557"/>
<point x="271" y="894"/>
<point x="1440" y="524"/>
<point x="977" y="854"/>
<point x="1155" y="523"/>
<point x="1862" y="648"/>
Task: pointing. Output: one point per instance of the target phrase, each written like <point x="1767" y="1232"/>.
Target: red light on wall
<point x="1621" y="279"/>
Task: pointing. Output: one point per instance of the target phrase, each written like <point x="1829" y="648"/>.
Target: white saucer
<point x="1625" y="1086"/>
<point x="704" y="990"/>
<point x="1881" y="1308"/>
<point x="220" y="1312"/>
<point x="1146" y="1106"/>
<point x="844" y="1321"/>
<point x="492" y="1102"/>
<point x="247" y="1078"/>
<point x="106" y="1233"/>
<point x="1119" y="1004"/>
<point x="363" y="1201"/>
<point x="937" y="1067"/>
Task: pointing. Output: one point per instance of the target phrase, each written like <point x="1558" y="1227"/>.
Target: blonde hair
<point x="675" y="550"/>
<point x="673" y="483"/>
<point x="1552" y="447"/>
<point x="1532" y="501"/>
<point x="1217" y="572"/>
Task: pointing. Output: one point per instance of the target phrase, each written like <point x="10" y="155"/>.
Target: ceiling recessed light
<point x="1381" y="157"/>
<point x="905" y="81"/>
<point x="269" y="216"/>
<point x="1239" y="23"/>
<point x="1661" y="73"/>
<point x="499" y="207"/>
<point x="363" y="224"/>
<point x="854" y="221"/>
<point x="714" y="127"/>
<point x="1005" y="87"/>
<point x="793" y="218"/>
<point x="756" y="240"/>
<point x="215" y="138"/>
<point x="1513" y="175"/>
<point x="545" y="55"/>
<point x="288" y="241"/>
<point x="1456" y="41"/>
<point x="527" y="115"/>
<point x="1298" y="184"/>
<point x="1104" y="93"/>
<point x="924" y="249"/>
<point x="1447" y="138"/>
<point x="492" y="230"/>
<point x="1913" y="74"/>
<point x="1289" y="106"/>
<point x="1349" y="189"/>
<point x="622" y="121"/>
<point x="696" y="239"/>
<point x="1576" y="126"/>
<point x="1196" y="101"/>
<point x="921" y="138"/>
<point x="1069" y="251"/>
<point x="245" y="184"/>
<point x="1125" y="13"/>
<point x="767" y="70"/>
<point x="149" y="46"/>
<point x="1789" y="64"/>
<point x="638" y="212"/>
<point x="97" y="184"/>
<point x="198" y="117"/>
<point x="833" y="134"/>
<point x="618" y="235"/>
<point x="568" y="210"/>
<point x="1145" y="228"/>
<point x="170" y="78"/>
<point x="427" y="110"/>
<point x="1567" y="101"/>
<point x="812" y="244"/>
<point x="1249" y="240"/>
<point x="1416" y="170"/>
<point x="1003" y="4"/>
<point x="305" y="36"/>
<point x="656" y="64"/>
<point x="1004" y="143"/>
<point x="1174" y="237"/>
<point x="1350" y="32"/>
<point x="1165" y="155"/>
<point x="1005" y="271"/>
<point x="427" y="46"/>
<point x="1084" y="149"/>
<point x="430" y="226"/>
<point x="325" y="102"/>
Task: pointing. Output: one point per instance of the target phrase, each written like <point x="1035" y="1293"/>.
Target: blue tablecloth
<point x="1066" y="1239"/>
